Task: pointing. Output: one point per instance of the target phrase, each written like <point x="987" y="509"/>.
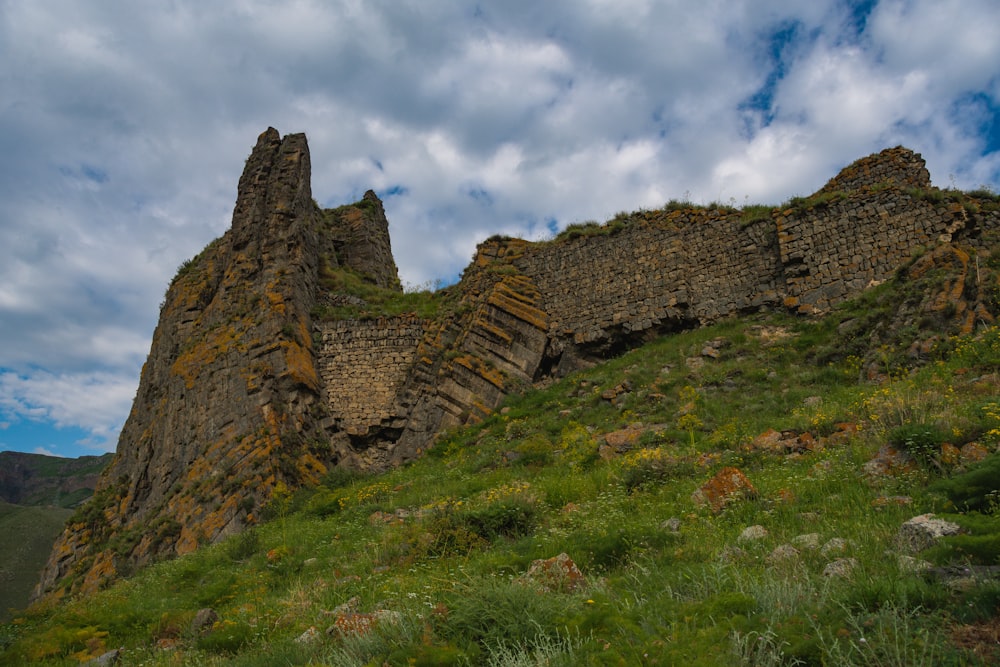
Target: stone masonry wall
<point x="531" y="309"/>
<point x="363" y="364"/>
<point x="836" y="250"/>
<point x="662" y="271"/>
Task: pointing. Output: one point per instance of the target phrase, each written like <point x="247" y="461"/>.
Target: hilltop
<point x="286" y="350"/>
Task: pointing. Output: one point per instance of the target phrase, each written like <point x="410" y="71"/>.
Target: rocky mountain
<point x="286" y="348"/>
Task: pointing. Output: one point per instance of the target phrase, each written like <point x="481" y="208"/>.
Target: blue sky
<point x="124" y="127"/>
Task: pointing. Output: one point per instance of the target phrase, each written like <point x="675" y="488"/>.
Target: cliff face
<point x="230" y="403"/>
<point x="251" y="384"/>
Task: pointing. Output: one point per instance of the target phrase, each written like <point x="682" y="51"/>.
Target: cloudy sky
<point x="124" y="127"/>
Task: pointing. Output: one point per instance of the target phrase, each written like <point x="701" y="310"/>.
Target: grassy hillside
<point x="27" y="537"/>
<point x="842" y="431"/>
<point x="36" y="479"/>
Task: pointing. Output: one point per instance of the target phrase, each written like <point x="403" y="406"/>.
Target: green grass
<point x="371" y="301"/>
<point x="438" y="549"/>
<point x="28" y="536"/>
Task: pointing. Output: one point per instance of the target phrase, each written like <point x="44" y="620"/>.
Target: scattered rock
<point x="911" y="564"/>
<point x="352" y="625"/>
<point x="558" y="573"/>
<point x="923" y="531"/>
<point x="308" y="637"/>
<point x="623" y="440"/>
<point x="109" y="658"/>
<point x="808" y="541"/>
<point x="835" y="545"/>
<point x="727" y="486"/>
<point x="842" y="568"/>
<point x="889" y="462"/>
<point x="753" y="534"/>
<point x="348" y="607"/>
<point x="310" y="562"/>
<point x="782" y="554"/>
<point x="203" y="621"/>
<point x="731" y="554"/>
<point x="972" y="452"/>
<point x="673" y="524"/>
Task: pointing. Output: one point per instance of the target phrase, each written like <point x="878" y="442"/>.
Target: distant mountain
<point x="37" y="494"/>
<point x="35" y="479"/>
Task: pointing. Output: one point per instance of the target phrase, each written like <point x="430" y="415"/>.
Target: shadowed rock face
<point x="229" y="402"/>
<point x="244" y="390"/>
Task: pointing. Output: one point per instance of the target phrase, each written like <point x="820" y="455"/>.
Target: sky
<point x="124" y="127"/>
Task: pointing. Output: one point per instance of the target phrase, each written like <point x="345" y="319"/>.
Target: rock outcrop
<point x="266" y="369"/>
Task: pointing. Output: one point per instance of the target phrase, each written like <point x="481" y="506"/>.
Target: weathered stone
<point x="107" y="658"/>
<point x="203" y="621"/>
<point x="835" y="545"/>
<point x="973" y="452"/>
<point x="753" y="534"/>
<point x="783" y="553"/>
<point x="673" y="524"/>
<point x="727" y="486"/>
<point x="806" y="541"/>
<point x="558" y="573"/>
<point x="924" y="531"/>
<point x="311" y="635"/>
<point x="841" y="568"/>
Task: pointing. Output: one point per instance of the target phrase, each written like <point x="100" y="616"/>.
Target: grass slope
<point x="28" y="534"/>
<point x="426" y="565"/>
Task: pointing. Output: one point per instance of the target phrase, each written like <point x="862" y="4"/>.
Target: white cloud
<point x="97" y="402"/>
<point x="124" y="128"/>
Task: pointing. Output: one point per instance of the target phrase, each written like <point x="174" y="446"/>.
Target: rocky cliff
<point x="286" y="347"/>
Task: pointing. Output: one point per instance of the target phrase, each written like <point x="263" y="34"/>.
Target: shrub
<point x="502" y="614"/>
<point x="975" y="490"/>
<point x="922" y="441"/>
<point x="646" y="466"/>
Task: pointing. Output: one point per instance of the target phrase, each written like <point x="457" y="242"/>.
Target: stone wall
<point x="662" y="271"/>
<point x="363" y="364"/>
<point x="832" y="251"/>
<point x="894" y="167"/>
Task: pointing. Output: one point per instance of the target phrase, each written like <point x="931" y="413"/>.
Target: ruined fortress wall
<point x="363" y="364"/>
<point x="833" y="251"/>
<point x="679" y="266"/>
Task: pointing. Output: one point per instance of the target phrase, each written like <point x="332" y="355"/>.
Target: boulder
<point x="924" y="531"/>
<point x="727" y="486"/>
